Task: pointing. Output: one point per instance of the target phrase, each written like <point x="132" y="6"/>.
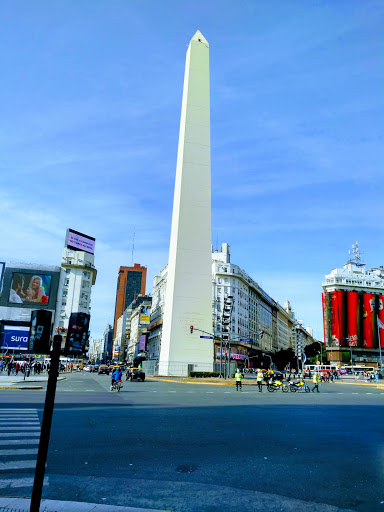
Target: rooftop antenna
<point x="133" y="244"/>
<point x="356" y="253"/>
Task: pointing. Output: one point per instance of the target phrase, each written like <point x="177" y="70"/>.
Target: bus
<point x="320" y="368"/>
<point x="359" y="369"/>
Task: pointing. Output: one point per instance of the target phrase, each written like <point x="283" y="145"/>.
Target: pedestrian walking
<point x="315" y="381"/>
<point x="260" y="378"/>
<point x="377" y="376"/>
<point x="238" y="377"/>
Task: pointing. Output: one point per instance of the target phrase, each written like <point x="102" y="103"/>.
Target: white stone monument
<point x="188" y="299"/>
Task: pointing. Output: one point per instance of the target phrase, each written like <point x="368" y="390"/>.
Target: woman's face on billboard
<point x="36" y="283"/>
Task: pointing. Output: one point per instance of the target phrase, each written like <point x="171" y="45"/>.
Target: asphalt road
<point x="199" y="448"/>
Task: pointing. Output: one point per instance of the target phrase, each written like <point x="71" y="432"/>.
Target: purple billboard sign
<point x="80" y="242"/>
<point x="142" y="343"/>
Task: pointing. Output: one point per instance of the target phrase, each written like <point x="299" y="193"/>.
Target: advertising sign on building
<point x="80" y="242"/>
<point x="2" y="271"/>
<point x="15" y="337"/>
<point x="29" y="288"/>
<point x="145" y="311"/>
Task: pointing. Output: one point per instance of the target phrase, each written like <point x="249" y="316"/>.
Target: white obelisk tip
<point x="199" y="37"/>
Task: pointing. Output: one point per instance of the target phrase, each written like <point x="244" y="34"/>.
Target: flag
<point x="380" y="323"/>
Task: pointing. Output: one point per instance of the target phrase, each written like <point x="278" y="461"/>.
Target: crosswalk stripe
<point x="16" y="423"/>
<point x="13" y="483"/>
<point x="19" y="451"/>
<point x="2" y="428"/>
<point x="17" y="410"/>
<point x="7" y="442"/>
<point x="17" y="464"/>
<point x="19" y="434"/>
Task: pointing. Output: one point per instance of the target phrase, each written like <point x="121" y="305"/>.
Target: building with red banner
<point x="353" y="311"/>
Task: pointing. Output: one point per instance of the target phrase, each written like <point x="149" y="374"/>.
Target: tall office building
<point x="131" y="282"/>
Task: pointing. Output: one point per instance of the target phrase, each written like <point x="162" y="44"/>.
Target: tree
<point x="284" y="357"/>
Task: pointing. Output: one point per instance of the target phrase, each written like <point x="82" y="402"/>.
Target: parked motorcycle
<point x="299" y="386"/>
<point x="276" y="385"/>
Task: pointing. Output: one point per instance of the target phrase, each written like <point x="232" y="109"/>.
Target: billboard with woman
<point x="29" y="288"/>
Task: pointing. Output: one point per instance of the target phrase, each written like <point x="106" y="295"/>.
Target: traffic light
<point x="191" y="327"/>
<point x="40" y="332"/>
<point x="78" y="329"/>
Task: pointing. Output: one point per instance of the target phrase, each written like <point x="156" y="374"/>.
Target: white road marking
<point x="17" y="464"/>
<point x="7" y="442"/>
<point x="2" y="428"/>
<point x="18" y="410"/>
<point x="369" y="393"/>
<point x="209" y="392"/>
<point x="19" y="451"/>
<point x="20" y="482"/>
<point x="171" y="391"/>
<point x="19" y="434"/>
<point x="16" y="423"/>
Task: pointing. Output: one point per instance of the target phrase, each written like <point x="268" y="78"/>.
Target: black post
<point x="46" y="426"/>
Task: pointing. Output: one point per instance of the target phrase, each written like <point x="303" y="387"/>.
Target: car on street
<point x="103" y="368"/>
<point x="135" y="374"/>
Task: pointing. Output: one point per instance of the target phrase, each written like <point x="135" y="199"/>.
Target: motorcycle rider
<point x="116" y="376"/>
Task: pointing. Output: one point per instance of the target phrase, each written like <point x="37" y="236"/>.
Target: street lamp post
<point x="321" y="351"/>
<point x="263" y="354"/>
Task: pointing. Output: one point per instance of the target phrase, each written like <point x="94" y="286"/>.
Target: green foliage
<point x="283" y="357"/>
<point x="232" y="375"/>
<point x="203" y="374"/>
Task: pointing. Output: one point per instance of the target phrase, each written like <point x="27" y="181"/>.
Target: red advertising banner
<point x="335" y="319"/>
<point x="380" y="316"/>
<point x="369" y="319"/>
<point x="353" y="310"/>
<point x="325" y="323"/>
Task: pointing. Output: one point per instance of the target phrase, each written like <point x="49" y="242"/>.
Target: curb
<point x="21" y="387"/>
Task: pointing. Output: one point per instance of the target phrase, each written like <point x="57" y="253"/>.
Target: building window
<point x="68" y="271"/>
<point x="66" y="282"/>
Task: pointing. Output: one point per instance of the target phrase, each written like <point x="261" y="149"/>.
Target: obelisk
<point x="188" y="299"/>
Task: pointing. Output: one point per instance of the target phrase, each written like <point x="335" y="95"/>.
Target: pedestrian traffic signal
<point x="191" y="327"/>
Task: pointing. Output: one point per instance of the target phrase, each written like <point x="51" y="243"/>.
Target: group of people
<point x="268" y="377"/>
<point x="28" y="367"/>
<point x="370" y="377"/>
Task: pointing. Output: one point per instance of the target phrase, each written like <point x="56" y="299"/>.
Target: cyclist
<point x="116" y="376"/>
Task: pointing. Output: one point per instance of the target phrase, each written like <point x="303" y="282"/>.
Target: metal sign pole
<point x="46" y="426"/>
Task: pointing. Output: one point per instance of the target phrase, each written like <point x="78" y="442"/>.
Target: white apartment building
<point x="253" y="311"/>
<point x="78" y="277"/>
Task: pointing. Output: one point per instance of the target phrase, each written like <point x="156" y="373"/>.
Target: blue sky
<point x="89" y="121"/>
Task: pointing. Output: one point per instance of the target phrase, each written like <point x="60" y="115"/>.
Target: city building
<point x="107" y="343"/>
<point x="353" y="299"/>
<point x="131" y="282"/>
<point x="25" y="287"/>
<point x="126" y="337"/>
<point x="259" y="325"/>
